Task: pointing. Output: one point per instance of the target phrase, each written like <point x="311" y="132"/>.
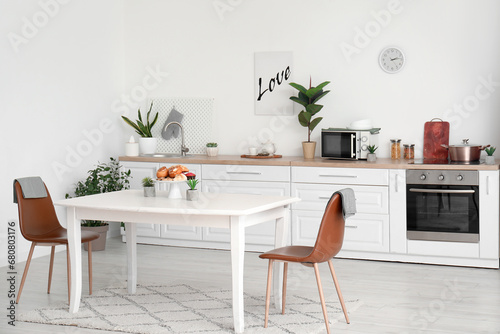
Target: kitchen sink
<point x="165" y="155"/>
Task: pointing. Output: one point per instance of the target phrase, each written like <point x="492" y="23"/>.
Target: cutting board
<point x="436" y="133"/>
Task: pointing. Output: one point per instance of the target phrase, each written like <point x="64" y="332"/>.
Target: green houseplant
<point x="147" y="144"/>
<point x="105" y="177"/>
<point x="308" y="98"/>
<point x="192" y="193"/>
<point x="212" y="149"/>
<point x="149" y="187"/>
<point x="371" y="156"/>
<point x="490" y="159"/>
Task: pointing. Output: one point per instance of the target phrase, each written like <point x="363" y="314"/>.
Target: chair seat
<point x="60" y="236"/>
<point x="289" y="254"/>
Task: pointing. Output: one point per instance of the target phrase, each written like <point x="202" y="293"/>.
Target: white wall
<point x="449" y="45"/>
<point x="55" y="85"/>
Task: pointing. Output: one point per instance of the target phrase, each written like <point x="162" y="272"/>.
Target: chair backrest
<point x="37" y="216"/>
<point x="331" y="232"/>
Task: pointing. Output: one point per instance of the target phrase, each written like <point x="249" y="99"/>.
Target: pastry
<point x="162" y="172"/>
<point x="180" y="177"/>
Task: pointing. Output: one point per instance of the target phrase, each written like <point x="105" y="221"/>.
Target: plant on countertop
<point x="372" y="148"/>
<point x="192" y="183"/>
<point x="148" y="182"/>
<point x="308" y="98"/>
<point x="490" y="150"/>
<point x="106" y="177"/>
<point x="211" y="144"/>
<point x="143" y="129"/>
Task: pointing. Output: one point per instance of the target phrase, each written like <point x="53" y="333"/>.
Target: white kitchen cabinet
<point x="397" y="211"/>
<point x="367" y="230"/>
<point x="138" y="171"/>
<point x="243" y="179"/>
<point x="489" y="199"/>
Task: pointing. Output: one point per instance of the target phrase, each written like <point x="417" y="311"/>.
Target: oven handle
<point x="442" y="191"/>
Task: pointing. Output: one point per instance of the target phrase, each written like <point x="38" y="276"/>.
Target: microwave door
<point x="339" y="145"/>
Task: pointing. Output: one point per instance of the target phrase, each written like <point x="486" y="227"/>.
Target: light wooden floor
<point x="396" y="297"/>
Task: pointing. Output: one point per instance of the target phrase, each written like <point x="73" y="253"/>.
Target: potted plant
<point x="212" y="149"/>
<point x="371" y="156"/>
<point x="490" y="159"/>
<point x="149" y="187"/>
<point x="105" y="177"/>
<point x="147" y="144"/>
<point x="308" y="98"/>
<point x="192" y="193"/>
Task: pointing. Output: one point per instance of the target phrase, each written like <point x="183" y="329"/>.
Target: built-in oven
<point x="442" y="205"/>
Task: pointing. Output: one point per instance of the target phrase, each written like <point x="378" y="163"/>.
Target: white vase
<point x="212" y="151"/>
<point x="147" y="145"/>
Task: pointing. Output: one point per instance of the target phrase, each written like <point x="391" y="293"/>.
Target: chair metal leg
<point x="28" y="261"/>
<point x="285" y="272"/>
<point x="322" y="297"/>
<point x="51" y="266"/>
<point x="68" y="273"/>
<point x="90" y="266"/>
<point x="268" y="290"/>
<point x="337" y="287"/>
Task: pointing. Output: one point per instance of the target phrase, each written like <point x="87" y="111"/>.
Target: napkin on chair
<point x="32" y="187"/>
<point x="348" y="202"/>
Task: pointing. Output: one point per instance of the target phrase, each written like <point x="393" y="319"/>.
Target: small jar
<point x="395" y="149"/>
<point x="409" y="151"/>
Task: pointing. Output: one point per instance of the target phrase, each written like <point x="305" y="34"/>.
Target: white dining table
<point x="232" y="211"/>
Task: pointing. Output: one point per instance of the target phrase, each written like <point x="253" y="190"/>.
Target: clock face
<point x="392" y="60"/>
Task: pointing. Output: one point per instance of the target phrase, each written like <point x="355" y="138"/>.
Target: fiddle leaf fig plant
<point x="308" y="98"/>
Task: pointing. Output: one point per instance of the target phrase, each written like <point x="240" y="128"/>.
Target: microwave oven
<point x="345" y="143"/>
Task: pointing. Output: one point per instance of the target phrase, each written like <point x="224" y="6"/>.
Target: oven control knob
<point x="423" y="177"/>
<point x="460" y="177"/>
<point x="441" y="177"/>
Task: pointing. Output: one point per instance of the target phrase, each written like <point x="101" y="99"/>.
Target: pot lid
<point x="465" y="143"/>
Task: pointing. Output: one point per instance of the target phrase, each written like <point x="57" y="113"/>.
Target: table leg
<point x="131" y="239"/>
<point x="75" y="254"/>
<point x="237" y="264"/>
<point x="281" y="235"/>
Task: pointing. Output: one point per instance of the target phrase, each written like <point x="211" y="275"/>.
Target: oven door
<point x="338" y="145"/>
<point x="442" y="212"/>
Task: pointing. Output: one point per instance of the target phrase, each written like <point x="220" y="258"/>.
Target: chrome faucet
<point x="184" y="149"/>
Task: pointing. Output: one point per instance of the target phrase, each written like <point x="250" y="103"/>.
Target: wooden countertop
<point x="382" y="163"/>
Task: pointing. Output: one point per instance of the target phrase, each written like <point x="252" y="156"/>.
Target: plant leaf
<point x="298" y="87"/>
<point x="313" y="108"/>
<point x="314" y="122"/>
<point x="299" y="101"/>
<point x="139" y="114"/>
<point x="304" y="118"/>
<point x="132" y="124"/>
<point x="315" y="90"/>
<point x="319" y="96"/>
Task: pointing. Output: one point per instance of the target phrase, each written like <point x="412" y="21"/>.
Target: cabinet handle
<point x="351" y="226"/>
<point x="324" y="197"/>
<point x="346" y="176"/>
<point x="487" y="185"/>
<point x="396" y="183"/>
<point x="250" y="173"/>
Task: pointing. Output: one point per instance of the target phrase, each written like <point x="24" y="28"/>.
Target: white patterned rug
<point x="182" y="308"/>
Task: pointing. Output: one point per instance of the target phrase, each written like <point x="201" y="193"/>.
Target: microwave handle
<point x="353" y="146"/>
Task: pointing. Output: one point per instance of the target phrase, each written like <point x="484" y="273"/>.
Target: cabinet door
<point x="488" y="215"/>
<point x="397" y="213"/>
<point x="138" y="171"/>
<point x="369" y="199"/>
<point x="261" y="234"/>
<point x="363" y="232"/>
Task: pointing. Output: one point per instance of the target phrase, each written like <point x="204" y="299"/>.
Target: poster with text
<point x="273" y="73"/>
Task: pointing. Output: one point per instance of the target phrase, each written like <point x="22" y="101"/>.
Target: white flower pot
<point x="212" y="151"/>
<point x="147" y="145"/>
<point x="371" y="157"/>
<point x="489" y="160"/>
<point x="149" y="192"/>
<point x="192" y="195"/>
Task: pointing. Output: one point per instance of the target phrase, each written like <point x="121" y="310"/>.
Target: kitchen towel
<point x="348" y="202"/>
<point x="32" y="187"/>
<point x="173" y="130"/>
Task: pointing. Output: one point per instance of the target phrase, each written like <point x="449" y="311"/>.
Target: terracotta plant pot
<point x="308" y="148"/>
<point x="98" y="244"/>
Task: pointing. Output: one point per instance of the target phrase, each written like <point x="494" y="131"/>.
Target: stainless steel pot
<point x="465" y="152"/>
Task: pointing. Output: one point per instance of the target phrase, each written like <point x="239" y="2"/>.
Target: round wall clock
<point x="392" y="59"/>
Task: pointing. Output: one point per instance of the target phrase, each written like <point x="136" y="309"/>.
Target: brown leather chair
<point x="39" y="224"/>
<point x="328" y="244"/>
